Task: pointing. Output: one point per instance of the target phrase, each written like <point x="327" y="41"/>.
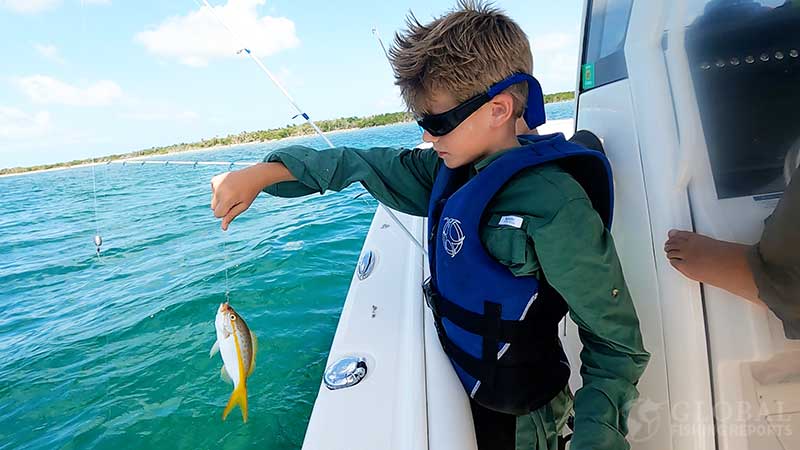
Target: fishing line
<point x="423" y="145"/>
<point x="424" y="260"/>
<point x="98" y="241"/>
<point x="244" y="48"/>
<point x="362" y="196"/>
<point x="225" y="263"/>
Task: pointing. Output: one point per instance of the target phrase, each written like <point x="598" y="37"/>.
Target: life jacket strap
<point x="491" y="338"/>
<point x="496" y="333"/>
<point x="487" y="370"/>
<point x="509" y="331"/>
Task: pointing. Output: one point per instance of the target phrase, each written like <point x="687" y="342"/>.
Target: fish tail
<point x="238" y="397"/>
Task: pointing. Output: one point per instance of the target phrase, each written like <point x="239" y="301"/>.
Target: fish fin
<point x="238" y="397"/>
<point x="254" y="340"/>
<point x="214" y="349"/>
<point x="224" y="375"/>
<point x="239" y="394"/>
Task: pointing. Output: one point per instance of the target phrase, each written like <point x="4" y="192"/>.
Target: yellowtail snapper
<point x="237" y="345"/>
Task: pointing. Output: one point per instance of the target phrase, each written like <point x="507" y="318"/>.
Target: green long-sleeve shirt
<point x="561" y="237"/>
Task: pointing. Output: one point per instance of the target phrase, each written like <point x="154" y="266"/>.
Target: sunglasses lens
<point x="441" y="124"/>
<point x="436" y="126"/>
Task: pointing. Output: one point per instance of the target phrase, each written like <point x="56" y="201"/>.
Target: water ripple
<point x="100" y="353"/>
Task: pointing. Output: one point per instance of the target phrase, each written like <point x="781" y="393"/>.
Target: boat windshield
<point x="745" y="67"/>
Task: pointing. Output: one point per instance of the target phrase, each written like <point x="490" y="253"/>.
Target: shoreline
<point x="214" y="148"/>
<point x="192" y="150"/>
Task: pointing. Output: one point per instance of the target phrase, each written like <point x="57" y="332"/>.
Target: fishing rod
<point x="98" y="240"/>
<point x="244" y="48"/>
<point x="162" y="162"/>
<point x="380" y="41"/>
<point x="422" y="145"/>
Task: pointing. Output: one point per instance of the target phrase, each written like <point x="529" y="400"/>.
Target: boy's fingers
<point x="214" y="200"/>
<point x="214" y="183"/>
<point x="223" y="207"/>
<point x="220" y="209"/>
<point x="235" y="211"/>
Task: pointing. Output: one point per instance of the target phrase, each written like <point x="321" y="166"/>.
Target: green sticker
<point x="587" y="75"/>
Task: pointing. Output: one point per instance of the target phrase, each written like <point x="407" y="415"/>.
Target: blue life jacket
<point x="501" y="331"/>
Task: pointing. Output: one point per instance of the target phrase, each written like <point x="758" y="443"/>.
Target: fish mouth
<point x="222" y="322"/>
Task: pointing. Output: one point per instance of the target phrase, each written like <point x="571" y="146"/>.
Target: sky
<point x="84" y="78"/>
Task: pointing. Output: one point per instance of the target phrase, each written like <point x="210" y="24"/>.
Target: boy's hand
<point x="233" y="192"/>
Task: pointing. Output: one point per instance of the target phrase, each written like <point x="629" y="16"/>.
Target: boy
<point x="542" y="247"/>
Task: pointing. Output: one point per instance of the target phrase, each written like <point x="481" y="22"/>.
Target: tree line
<point x="342" y="123"/>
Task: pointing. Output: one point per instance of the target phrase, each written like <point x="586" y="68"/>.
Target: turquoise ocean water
<point x="112" y="353"/>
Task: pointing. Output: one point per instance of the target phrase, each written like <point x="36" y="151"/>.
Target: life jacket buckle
<point x="428" y="293"/>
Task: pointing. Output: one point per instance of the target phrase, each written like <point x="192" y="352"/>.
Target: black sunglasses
<point x="443" y="123"/>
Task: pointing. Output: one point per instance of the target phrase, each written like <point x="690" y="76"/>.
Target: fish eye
<point x="233" y="317"/>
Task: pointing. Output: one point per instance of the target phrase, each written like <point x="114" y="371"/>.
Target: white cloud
<point x="48" y="90"/>
<point x="49" y="51"/>
<point x="29" y="6"/>
<point x="37" y="6"/>
<point x="198" y="37"/>
<point x="18" y="124"/>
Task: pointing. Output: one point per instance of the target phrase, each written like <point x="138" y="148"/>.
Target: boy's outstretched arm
<point x="579" y="260"/>
<point x="400" y="178"/>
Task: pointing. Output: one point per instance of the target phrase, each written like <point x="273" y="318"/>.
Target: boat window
<point x="604" y="42"/>
<point x="696" y="8"/>
<point x="745" y="64"/>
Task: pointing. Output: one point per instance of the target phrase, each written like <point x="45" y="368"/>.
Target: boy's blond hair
<point x="461" y="53"/>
